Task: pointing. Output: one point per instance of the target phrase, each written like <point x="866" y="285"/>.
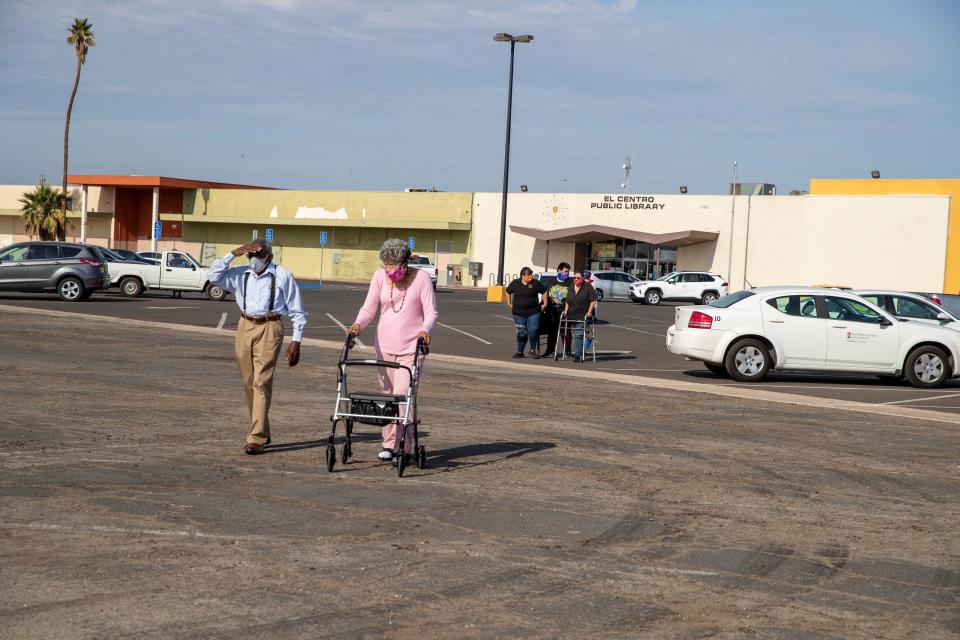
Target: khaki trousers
<point x="257" y="348"/>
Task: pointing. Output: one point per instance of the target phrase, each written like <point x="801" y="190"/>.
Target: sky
<point x="377" y="95"/>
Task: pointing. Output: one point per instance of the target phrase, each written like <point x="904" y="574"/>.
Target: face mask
<point x="395" y="274"/>
<point x="578" y="281"/>
<point x="258" y="264"/>
<point x="562" y="276"/>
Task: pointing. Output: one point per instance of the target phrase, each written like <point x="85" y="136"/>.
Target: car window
<point x="69" y="252"/>
<point x="603" y="276"/>
<point x="13" y="254"/>
<point x="909" y="308"/>
<point x="846" y="309"/>
<point x="630" y="277"/>
<point x="731" y="299"/>
<point x="624" y="277"/>
<point x="800" y="306"/>
<point x="876" y="299"/>
<point x="178" y="260"/>
<point x="44" y="252"/>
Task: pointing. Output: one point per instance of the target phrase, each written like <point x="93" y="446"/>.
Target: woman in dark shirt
<point x="523" y="298"/>
<point x="580" y="304"/>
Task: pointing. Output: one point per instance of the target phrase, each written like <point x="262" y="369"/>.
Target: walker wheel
<point x="402" y="459"/>
<point x="422" y="457"/>
<point x="331" y="457"/>
<point x="346" y="453"/>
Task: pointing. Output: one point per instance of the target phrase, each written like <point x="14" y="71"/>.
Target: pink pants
<point x="396" y="381"/>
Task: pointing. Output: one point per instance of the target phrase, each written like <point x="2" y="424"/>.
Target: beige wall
<point x="896" y="242"/>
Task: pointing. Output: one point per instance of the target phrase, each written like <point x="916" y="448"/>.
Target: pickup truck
<point x="423" y="264"/>
<point x="177" y="271"/>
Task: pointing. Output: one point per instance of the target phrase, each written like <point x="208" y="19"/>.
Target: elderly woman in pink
<point x="408" y="311"/>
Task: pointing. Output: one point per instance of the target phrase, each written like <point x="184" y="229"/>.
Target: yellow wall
<point x="946" y="187"/>
<point x="356" y="223"/>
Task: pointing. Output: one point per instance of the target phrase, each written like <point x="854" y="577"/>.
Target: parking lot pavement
<point x="580" y="509"/>
<point x="630" y="338"/>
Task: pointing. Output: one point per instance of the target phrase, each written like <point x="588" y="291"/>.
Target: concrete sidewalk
<point x="553" y="506"/>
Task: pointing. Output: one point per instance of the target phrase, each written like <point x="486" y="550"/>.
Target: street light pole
<point x="513" y="40"/>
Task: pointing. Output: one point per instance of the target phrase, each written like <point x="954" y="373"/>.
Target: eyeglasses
<point x="258" y="254"/>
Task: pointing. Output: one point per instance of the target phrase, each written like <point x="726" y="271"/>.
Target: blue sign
<point x="323" y="238"/>
<point x="157" y="229"/>
<point x="269" y="235"/>
<point x="412" y="242"/>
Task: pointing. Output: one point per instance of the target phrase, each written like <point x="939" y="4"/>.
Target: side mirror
<point x="885" y="323"/>
<point x="944" y="317"/>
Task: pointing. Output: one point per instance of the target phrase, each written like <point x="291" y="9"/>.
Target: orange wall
<point x="946" y="187"/>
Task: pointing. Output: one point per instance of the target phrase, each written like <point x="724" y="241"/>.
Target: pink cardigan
<point x="397" y="330"/>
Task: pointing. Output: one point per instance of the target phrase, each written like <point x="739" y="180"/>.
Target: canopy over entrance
<point x="598" y="233"/>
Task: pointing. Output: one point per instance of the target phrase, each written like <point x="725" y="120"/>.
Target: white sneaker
<point x="385" y="455"/>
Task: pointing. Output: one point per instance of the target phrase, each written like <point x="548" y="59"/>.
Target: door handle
<point x="839" y="326"/>
<point x="776" y="321"/>
<point x="56" y="263"/>
<point x="169" y="269"/>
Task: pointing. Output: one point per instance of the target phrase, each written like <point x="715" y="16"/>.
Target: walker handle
<point x="422" y="346"/>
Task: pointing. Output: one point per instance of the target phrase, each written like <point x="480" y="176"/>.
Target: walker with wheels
<point x="376" y="408"/>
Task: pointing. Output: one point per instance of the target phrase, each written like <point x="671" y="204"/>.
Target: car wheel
<point x="131" y="287"/>
<point x="927" y="367"/>
<point x="708" y="297"/>
<point x="652" y="297"/>
<point x="85" y="295"/>
<point x="599" y="294"/>
<point x="716" y="369"/>
<point x="748" y="361"/>
<point x="71" y="289"/>
<point x="216" y="293"/>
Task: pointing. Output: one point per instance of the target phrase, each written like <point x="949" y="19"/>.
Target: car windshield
<point x="731" y="299"/>
<point x="667" y="275"/>
<point x="112" y="256"/>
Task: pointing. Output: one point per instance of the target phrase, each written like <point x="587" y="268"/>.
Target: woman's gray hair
<point x="395" y="251"/>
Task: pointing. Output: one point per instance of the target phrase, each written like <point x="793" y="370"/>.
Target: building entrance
<point x="640" y="259"/>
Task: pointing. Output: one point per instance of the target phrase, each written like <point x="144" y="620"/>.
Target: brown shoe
<point x="252" y="449"/>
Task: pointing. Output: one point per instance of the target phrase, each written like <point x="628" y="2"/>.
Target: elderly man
<point x="265" y="292"/>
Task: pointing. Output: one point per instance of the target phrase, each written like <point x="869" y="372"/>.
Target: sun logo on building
<point x="555" y="212"/>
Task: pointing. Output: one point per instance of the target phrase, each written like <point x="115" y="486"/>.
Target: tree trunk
<point x="62" y="222"/>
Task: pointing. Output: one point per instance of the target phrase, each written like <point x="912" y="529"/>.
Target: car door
<point x="13" y="267"/>
<point x="799" y="334"/>
<point x="672" y="287"/>
<point x="178" y="271"/>
<point x="43" y="262"/>
<point x="859" y="337"/>
<point x="624" y="280"/>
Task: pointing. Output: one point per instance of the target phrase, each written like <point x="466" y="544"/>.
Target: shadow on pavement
<point x="460" y="457"/>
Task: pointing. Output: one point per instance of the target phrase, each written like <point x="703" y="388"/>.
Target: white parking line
<point x="340" y="324"/>
<point x="504" y="317"/>
<point x="951" y="395"/>
<point x="223" y="319"/>
<point x="469" y="335"/>
<point x="165" y="308"/>
<point x="619" y="326"/>
<point x="634" y="369"/>
<point x="853" y="386"/>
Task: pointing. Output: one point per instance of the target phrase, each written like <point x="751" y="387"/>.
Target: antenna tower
<point x="625" y="183"/>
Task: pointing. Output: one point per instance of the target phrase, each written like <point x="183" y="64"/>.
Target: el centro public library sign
<point x="628" y="202"/>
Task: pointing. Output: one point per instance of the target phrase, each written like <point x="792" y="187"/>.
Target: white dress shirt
<point x="286" y="301"/>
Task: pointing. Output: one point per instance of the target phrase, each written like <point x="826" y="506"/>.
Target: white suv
<point x="698" y="286"/>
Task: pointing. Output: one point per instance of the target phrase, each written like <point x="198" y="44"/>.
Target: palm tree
<point x="39" y="211"/>
<point x="81" y="37"/>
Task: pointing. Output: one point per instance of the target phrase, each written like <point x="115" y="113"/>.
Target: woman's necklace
<point x="402" y="300"/>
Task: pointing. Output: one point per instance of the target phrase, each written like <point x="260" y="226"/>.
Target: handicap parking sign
<point x="412" y="242"/>
<point x="269" y="235"/>
<point x="157" y="229"/>
<point x="323" y="238"/>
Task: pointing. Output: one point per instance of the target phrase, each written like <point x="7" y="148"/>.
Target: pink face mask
<point x="396" y="274"/>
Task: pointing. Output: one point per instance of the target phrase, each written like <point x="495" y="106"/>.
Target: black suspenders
<point x="273" y="290"/>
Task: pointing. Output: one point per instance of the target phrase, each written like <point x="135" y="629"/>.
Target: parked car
<point x="611" y="283"/>
<point x="423" y="263"/>
<point x="949" y="301"/>
<point x="698" y="286"/>
<point x="748" y="333"/>
<point x="73" y="271"/>
<point x="177" y="271"/>
<point x="131" y="255"/>
<point x="911" y="306"/>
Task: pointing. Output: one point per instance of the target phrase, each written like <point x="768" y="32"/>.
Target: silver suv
<point x="73" y="271"/>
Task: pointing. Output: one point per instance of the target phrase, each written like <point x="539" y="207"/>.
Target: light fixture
<point x="683" y="188"/>
<point x="875" y="174"/>
<point x="523" y="188"/>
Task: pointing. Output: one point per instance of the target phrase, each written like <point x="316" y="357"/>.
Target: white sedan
<point x="748" y="333"/>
